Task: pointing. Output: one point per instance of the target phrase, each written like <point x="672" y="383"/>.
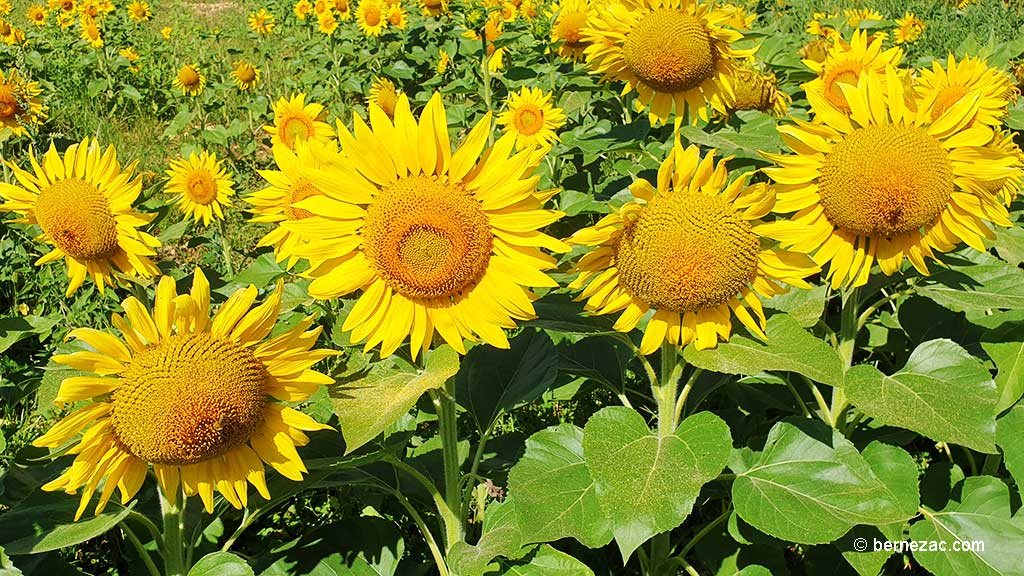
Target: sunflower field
<point x="512" y="287"/>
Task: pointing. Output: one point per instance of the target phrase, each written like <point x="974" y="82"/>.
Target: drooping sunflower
<point x="887" y="182"/>
<point x="289" y="187"/>
<point x="910" y="28"/>
<point x="688" y="249"/>
<point x="262" y="22"/>
<point x="397" y="16"/>
<point x="756" y="90"/>
<point x="492" y="30"/>
<point x="942" y="87"/>
<point x="433" y="7"/>
<point x="435" y="240"/>
<point x="532" y="118"/>
<point x="302" y="9"/>
<point x="190" y="80"/>
<point x="36" y="14"/>
<point x="203" y="186"/>
<point x="570" y="20"/>
<point x="371" y="18"/>
<point x="83" y="203"/>
<point x="842" y="66"/>
<point x="191" y="396"/>
<point x="139" y="11"/>
<point x="11" y="34"/>
<point x="294" y="120"/>
<point x="384" y="95"/>
<point x="245" y="75"/>
<point x="20" y="105"/>
<point x="669" y="51"/>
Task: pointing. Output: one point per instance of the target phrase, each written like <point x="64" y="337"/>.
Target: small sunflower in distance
<point x="245" y="75"/>
<point x="384" y="95"/>
<point x="139" y="11"/>
<point x="327" y="23"/>
<point x="83" y="203"/>
<point x="36" y="14"/>
<point x="910" y="28"/>
<point x="192" y="396"/>
<point x="166" y="32"/>
<point x="371" y="18"/>
<point x="203" y="185"/>
<point x="570" y="20"/>
<point x="302" y="9"/>
<point x="942" y="87"/>
<point x="433" y="7"/>
<point x="436" y="240"/>
<point x="190" y="80"/>
<point x="532" y="118"/>
<point x="91" y="32"/>
<point x="294" y="120"/>
<point x="855" y="16"/>
<point x="397" y="16"/>
<point x="262" y="22"/>
<point x="887" y="183"/>
<point x="443" y="60"/>
<point x="688" y="249"/>
<point x="843" y="64"/>
<point x="669" y="52"/>
<point x="20" y="105"/>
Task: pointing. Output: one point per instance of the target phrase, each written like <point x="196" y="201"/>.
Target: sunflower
<point x="20" y="105"/>
<point x="5" y="7"/>
<point x="245" y="75"/>
<point x="91" y="32"/>
<point x="166" y="32"/>
<point x="436" y="240"/>
<point x="384" y="95"/>
<point x="302" y="9"/>
<point x="132" y="56"/>
<point x="371" y="18"/>
<point x="327" y="23"/>
<point x="192" y="396"/>
<point x="343" y="8"/>
<point x="89" y="8"/>
<point x="262" y="22"/>
<point x="433" y="7"/>
<point x="36" y="14"/>
<point x="570" y="20"/>
<point x="397" y="16"/>
<point x="288" y="187"/>
<point x="10" y="34"/>
<point x="690" y="251"/>
<point x="492" y="30"/>
<point x="321" y="7"/>
<point x="887" y="182"/>
<point x="756" y="90"/>
<point x="139" y="11"/>
<point x="528" y="9"/>
<point x="910" y="28"/>
<point x="532" y="118"/>
<point x="669" y="51"/>
<point x="443" y="59"/>
<point x="190" y="80"/>
<point x="203" y="185"/>
<point x="940" y="88"/>
<point x="854" y="17"/>
<point x="83" y="203"/>
<point x="1009" y="187"/>
<point x="842" y="66"/>
<point x="295" y="120"/>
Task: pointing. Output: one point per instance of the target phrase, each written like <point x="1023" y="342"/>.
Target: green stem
<point x="225" y="246"/>
<point x="150" y="527"/>
<point x="448" y="517"/>
<point x="799" y="399"/>
<point x="866" y="315"/>
<point x="704" y="532"/>
<point x="435" y="550"/>
<point x="665" y="388"/>
<point x="991" y="465"/>
<point x="848" y="328"/>
<point x="247" y="519"/>
<point x="444" y="403"/>
<point x="687" y="388"/>
<point x="174" y="525"/>
<point x="147" y="559"/>
<point x="661" y="546"/>
<point x="479" y="455"/>
<point x="823" y="406"/>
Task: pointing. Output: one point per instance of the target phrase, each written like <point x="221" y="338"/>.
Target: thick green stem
<point x="848" y="328"/>
<point x="147" y="559"/>
<point x="174" y="526"/>
<point x="444" y="403"/>
<point x="665" y="388"/>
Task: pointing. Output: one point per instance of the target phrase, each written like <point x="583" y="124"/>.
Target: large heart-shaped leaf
<point x="943" y="393"/>
<point x="647" y="483"/>
<point x="500" y="537"/>
<point x="220" y="564"/>
<point x="811" y="485"/>
<point x="554" y="492"/>
<point x="547" y="561"/>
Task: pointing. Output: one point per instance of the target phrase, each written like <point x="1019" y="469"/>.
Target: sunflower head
<point x="843" y="66"/>
<point x="302" y="8"/>
<point x="204" y="188"/>
<point x="295" y="120"/>
<point x="262" y="22"/>
<point x="755" y="90"/>
<point x="532" y="118"/>
<point x="384" y="95"/>
<point x="190" y="80"/>
<point x="910" y="28"/>
<point x="139" y="11"/>
<point x="887" y="182"/>
<point x="688" y="249"/>
<point x="91" y="32"/>
<point x="397" y="16"/>
<point x="36" y="14"/>
<point x="327" y="23"/>
<point x="371" y="16"/>
<point x="433" y="7"/>
<point x="20" y="105"/>
<point x="674" y="53"/>
<point x="443" y="59"/>
<point x="192" y="397"/>
<point x="943" y="86"/>
<point x="245" y="75"/>
<point x="570" y="20"/>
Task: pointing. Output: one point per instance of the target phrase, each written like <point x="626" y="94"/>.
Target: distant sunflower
<point x="166" y="32"/>
<point x="344" y="9"/>
<point x="36" y="14"/>
<point x="262" y="22"/>
<point x="842" y="66"/>
<point x="528" y="9"/>
<point x="855" y="16"/>
<point x="433" y="7"/>
<point x="83" y="203"/>
<point x="294" y="120"/>
<point x="20" y="105"/>
<point x="132" y="56"/>
<point x="384" y="95"/>
<point x="203" y="185"/>
<point x="321" y="7"/>
<point x="689" y="250"/>
<point x="443" y="60"/>
<point x="5" y="7"/>
<point x="371" y="18"/>
<point x="289" y="187"/>
<point x="91" y="32"/>
<point x="1009" y="187"/>
<point x="302" y="9"/>
<point x="570" y="20"/>
<point x="139" y="11"/>
<point x="436" y="240"/>
<point x="245" y="75"/>
<point x="941" y="87"/>
<point x="887" y="182"/>
<point x="190" y="80"/>
<point x="668" y="51"/>
<point x="191" y="396"/>
<point x="756" y="90"/>
<point x="910" y="28"/>
<point x="397" y="16"/>
<point x="327" y="23"/>
<point x="532" y="118"/>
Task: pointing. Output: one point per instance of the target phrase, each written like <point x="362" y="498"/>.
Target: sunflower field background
<point x="511" y="287"/>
